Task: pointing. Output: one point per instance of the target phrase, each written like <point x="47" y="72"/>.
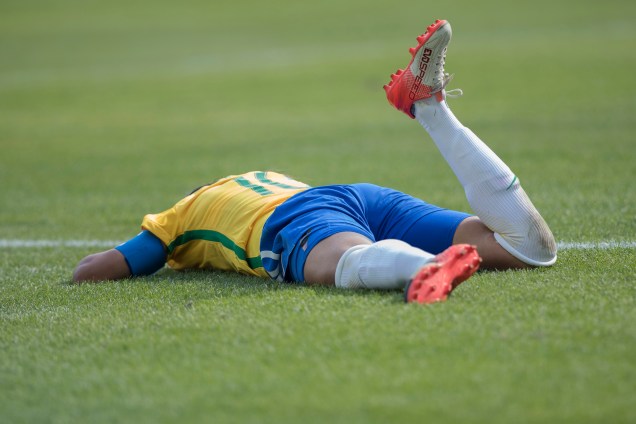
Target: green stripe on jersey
<point x="257" y="188"/>
<point x="215" y="237"/>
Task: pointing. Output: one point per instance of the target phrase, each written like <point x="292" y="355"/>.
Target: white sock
<point x="386" y="264"/>
<point x="492" y="190"/>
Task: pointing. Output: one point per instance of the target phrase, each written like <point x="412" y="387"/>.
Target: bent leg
<point x="350" y="260"/>
<point x="492" y="190"/>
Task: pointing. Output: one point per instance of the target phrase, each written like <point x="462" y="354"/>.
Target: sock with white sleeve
<point x="492" y="190"/>
<point x="386" y="264"/>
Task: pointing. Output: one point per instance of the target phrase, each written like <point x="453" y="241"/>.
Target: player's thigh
<point x="473" y="231"/>
<point x="321" y="263"/>
<point x="392" y="214"/>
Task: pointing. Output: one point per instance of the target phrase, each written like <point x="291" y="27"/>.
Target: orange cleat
<point x="436" y="280"/>
<point x="424" y="76"/>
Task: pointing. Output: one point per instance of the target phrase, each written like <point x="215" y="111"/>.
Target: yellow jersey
<point x="219" y="225"/>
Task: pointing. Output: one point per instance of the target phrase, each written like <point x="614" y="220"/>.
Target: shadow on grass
<point x="224" y="284"/>
<point x="203" y="284"/>
<point x="229" y="284"/>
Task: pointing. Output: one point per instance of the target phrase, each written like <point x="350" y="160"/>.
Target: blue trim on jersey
<point x="377" y="213"/>
<point x="145" y="254"/>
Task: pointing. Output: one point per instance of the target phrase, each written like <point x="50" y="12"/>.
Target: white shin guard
<point x="387" y="264"/>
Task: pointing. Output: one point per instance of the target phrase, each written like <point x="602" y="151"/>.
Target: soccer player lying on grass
<point x="358" y="235"/>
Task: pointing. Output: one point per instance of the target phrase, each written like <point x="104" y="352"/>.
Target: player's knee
<point x="473" y="231"/>
<point x="534" y="244"/>
<point x="322" y="261"/>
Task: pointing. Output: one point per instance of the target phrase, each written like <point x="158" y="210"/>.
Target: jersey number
<point x="262" y="182"/>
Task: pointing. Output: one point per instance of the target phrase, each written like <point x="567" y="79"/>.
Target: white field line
<point x="603" y="245"/>
<point x="26" y="243"/>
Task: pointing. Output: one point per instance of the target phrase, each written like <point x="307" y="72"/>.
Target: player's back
<point x="219" y="225"/>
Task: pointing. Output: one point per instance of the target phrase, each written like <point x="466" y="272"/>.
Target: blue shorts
<point x="377" y="213"/>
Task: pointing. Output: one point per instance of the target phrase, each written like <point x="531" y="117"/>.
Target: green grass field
<point x="110" y="110"/>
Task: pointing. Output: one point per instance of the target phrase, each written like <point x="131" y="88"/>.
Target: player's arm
<point x="108" y="265"/>
<point x="144" y="254"/>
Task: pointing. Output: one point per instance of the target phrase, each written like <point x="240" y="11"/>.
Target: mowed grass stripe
<point x="43" y="243"/>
